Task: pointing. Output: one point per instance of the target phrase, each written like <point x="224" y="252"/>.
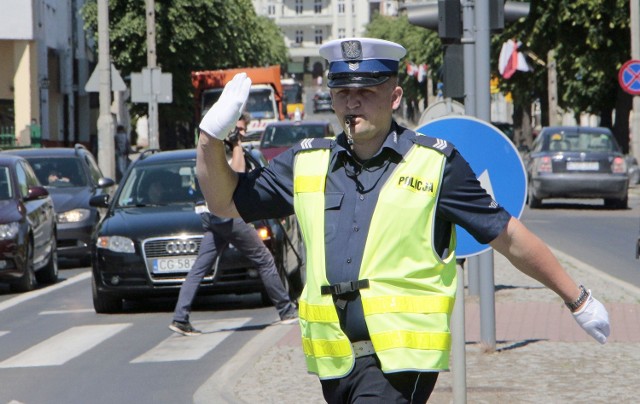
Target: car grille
<point x="171" y="247"/>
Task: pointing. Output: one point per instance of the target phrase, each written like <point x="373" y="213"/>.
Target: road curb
<point x="219" y="387"/>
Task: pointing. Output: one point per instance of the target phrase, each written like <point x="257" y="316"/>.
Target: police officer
<point x="220" y="231"/>
<point x="122" y="150"/>
<point x="377" y="207"/>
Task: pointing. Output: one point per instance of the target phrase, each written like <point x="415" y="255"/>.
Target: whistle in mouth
<point x="348" y="119"/>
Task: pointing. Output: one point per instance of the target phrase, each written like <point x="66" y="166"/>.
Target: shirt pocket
<point x="332" y="204"/>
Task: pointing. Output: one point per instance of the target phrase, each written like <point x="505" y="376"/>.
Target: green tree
<point x="190" y="35"/>
<point x="423" y="47"/>
<point x="591" y="41"/>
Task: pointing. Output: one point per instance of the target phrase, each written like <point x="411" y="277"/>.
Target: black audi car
<point x="144" y="247"/>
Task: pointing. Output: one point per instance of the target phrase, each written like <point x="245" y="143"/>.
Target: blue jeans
<point x="122" y="161"/>
<point x="246" y="240"/>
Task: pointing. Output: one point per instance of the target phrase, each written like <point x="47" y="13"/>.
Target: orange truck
<point x="265" y="97"/>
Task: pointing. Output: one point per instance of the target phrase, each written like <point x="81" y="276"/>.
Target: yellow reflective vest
<point x="408" y="303"/>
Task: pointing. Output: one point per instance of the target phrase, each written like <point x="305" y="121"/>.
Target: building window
<point x="319" y="37"/>
<point x="271" y="9"/>
<point x="299" y="7"/>
<point x="341" y="33"/>
<point x="340" y="6"/>
<point x="299" y="37"/>
<point x="317" y="6"/>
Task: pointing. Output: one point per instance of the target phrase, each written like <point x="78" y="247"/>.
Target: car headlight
<point x="73" y="216"/>
<point x="9" y="231"/>
<point x="116" y="244"/>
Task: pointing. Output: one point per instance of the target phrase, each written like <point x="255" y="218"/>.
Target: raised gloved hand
<point x="224" y="114"/>
<point x="594" y="319"/>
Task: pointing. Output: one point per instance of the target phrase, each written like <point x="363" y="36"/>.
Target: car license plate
<point x="173" y="265"/>
<point x="583" y="165"/>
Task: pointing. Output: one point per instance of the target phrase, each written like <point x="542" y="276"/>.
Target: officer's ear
<point x="396" y="97"/>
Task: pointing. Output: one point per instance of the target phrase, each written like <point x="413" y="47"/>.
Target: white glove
<point x="224" y="114"/>
<point x="594" y="319"/>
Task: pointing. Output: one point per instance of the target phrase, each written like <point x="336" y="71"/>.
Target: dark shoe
<point x="184" y="328"/>
<point x="290" y="318"/>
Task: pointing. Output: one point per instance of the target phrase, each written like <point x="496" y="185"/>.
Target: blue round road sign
<point x="494" y="159"/>
<point x="629" y="77"/>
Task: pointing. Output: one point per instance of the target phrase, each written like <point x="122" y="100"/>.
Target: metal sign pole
<point x="106" y="126"/>
<point x="152" y="64"/>
<point x="458" y="344"/>
<point x="483" y="109"/>
<point x="635" y="54"/>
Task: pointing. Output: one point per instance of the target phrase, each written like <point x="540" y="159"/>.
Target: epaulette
<point x="435" y="143"/>
<point x="313" y="144"/>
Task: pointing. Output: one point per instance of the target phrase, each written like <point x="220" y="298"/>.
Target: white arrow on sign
<point x="485" y="182"/>
<point x="93" y="84"/>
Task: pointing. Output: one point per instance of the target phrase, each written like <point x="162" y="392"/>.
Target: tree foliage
<point x="190" y="35"/>
<point x="423" y="47"/>
<point x="591" y="41"/>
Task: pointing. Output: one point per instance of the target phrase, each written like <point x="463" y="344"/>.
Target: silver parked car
<point x="576" y="162"/>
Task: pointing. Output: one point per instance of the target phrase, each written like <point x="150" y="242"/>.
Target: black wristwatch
<point x="584" y="294"/>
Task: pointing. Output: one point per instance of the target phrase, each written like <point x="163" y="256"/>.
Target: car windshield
<point x="579" y="142"/>
<point x="286" y="136"/>
<point x="153" y="185"/>
<point x="5" y="184"/>
<point x="59" y="172"/>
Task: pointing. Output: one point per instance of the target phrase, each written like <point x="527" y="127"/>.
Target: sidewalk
<point x="542" y="355"/>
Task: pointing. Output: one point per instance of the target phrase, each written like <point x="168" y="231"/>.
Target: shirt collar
<point x="394" y="142"/>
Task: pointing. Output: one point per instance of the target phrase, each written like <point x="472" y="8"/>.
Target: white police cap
<point x="361" y="62"/>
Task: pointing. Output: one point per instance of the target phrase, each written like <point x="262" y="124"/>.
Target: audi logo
<point x="182" y="247"/>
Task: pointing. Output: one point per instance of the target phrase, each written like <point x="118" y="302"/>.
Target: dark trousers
<point x="367" y="384"/>
<point x="245" y="238"/>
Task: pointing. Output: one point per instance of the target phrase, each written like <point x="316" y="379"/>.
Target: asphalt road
<point x="603" y="238"/>
<point x="55" y="349"/>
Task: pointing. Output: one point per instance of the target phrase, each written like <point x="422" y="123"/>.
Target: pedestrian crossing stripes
<point x="180" y="348"/>
<point x="75" y="341"/>
<point x="63" y="347"/>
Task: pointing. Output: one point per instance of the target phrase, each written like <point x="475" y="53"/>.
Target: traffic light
<point x="501" y="12"/>
<point x="443" y="16"/>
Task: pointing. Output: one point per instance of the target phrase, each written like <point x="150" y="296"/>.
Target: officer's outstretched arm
<point x="534" y="258"/>
<point x="216" y="179"/>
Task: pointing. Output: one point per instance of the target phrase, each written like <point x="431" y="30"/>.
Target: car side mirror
<point x="36" y="192"/>
<point x="100" y="201"/>
<point x="105" y="182"/>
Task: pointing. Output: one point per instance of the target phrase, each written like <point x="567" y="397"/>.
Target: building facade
<point x="307" y="24"/>
<point x="43" y="58"/>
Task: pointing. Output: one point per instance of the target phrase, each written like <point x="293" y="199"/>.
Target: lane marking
<point x="39" y="292"/>
<point x="180" y="348"/>
<point x="64" y="346"/>
<point x="74" y="311"/>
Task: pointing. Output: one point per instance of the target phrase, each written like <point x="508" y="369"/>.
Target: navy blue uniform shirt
<point x="351" y="193"/>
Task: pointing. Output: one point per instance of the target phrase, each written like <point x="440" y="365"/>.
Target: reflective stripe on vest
<point x="408" y="318"/>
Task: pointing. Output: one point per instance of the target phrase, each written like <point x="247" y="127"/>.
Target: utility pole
<point x="152" y="65"/>
<point x="106" y="127"/>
